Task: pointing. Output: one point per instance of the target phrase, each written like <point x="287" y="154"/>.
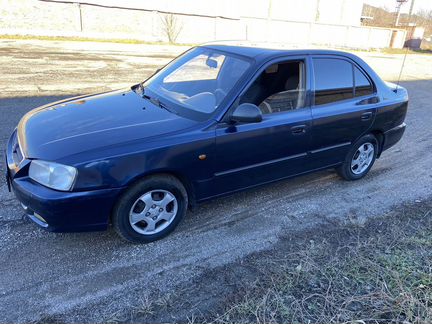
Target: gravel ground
<point x="90" y="277"/>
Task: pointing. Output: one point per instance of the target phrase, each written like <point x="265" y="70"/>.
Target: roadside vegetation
<point x="407" y="51"/>
<point x="378" y="271"/>
<point x="172" y="28"/>
<point x="87" y="39"/>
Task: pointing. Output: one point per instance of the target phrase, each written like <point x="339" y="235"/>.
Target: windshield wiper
<point x="140" y="89"/>
<point x="158" y="103"/>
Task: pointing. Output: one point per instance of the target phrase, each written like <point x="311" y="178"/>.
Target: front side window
<point x="198" y="81"/>
<point x="280" y="87"/>
<point x="333" y="80"/>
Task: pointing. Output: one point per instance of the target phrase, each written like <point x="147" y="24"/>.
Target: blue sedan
<point x="216" y="120"/>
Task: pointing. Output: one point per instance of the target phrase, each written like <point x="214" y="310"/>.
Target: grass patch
<point x="404" y="50"/>
<point x="379" y="272"/>
<point x="87" y="39"/>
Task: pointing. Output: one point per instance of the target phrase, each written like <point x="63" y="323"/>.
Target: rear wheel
<point x="150" y="209"/>
<point x="360" y="158"/>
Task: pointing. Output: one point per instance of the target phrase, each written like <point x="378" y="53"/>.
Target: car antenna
<point x="400" y="73"/>
<point x="406" y="51"/>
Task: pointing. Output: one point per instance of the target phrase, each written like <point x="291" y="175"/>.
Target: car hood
<point x="71" y="126"/>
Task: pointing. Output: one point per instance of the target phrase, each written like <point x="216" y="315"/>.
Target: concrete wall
<point x="341" y="12"/>
<point x="319" y="34"/>
<point x="260" y="22"/>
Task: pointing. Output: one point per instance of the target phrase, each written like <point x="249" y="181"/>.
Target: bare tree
<point x="171" y="27"/>
<point x="381" y="17"/>
<point x="424" y="18"/>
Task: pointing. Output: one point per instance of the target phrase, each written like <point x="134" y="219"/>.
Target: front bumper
<point x="59" y="211"/>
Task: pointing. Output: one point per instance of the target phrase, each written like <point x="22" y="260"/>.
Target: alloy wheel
<point x="362" y="158"/>
<point x="153" y="212"/>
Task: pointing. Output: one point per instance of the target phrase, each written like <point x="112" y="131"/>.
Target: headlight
<point x="53" y="175"/>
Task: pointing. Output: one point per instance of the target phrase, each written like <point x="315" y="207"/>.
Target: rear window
<point x="333" y="80"/>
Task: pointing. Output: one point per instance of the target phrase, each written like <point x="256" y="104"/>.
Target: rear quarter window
<point x="363" y="86"/>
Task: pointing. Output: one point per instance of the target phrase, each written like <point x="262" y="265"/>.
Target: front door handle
<point x="298" y="130"/>
<point x="366" y="116"/>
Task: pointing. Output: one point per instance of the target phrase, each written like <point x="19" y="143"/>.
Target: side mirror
<point x="246" y="113"/>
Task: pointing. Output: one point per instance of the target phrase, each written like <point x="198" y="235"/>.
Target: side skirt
<point x="267" y="182"/>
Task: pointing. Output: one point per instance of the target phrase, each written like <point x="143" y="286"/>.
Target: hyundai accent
<point x="216" y="120"/>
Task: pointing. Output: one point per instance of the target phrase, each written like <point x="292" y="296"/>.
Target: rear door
<point x="343" y="109"/>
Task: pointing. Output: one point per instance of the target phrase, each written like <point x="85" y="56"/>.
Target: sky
<point x="391" y="4"/>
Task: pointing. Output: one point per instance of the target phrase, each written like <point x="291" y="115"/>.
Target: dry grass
<point x="88" y="39"/>
<point x="407" y="51"/>
<point x="377" y="273"/>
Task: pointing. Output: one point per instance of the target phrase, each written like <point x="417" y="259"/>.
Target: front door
<point x="248" y="154"/>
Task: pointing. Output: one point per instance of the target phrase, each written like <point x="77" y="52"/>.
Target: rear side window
<point x="363" y="86"/>
<point x="333" y="80"/>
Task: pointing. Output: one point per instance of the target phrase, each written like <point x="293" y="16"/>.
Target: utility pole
<point x="269" y="18"/>
<point x="411" y="8"/>
<point x="269" y="10"/>
<point x="398" y="9"/>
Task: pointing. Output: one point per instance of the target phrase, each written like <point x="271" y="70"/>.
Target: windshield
<point x="197" y="81"/>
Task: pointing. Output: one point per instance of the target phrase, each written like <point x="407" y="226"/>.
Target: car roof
<point x="259" y="51"/>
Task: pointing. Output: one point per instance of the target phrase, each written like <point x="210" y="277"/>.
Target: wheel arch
<point x="379" y="135"/>
<point x="178" y="175"/>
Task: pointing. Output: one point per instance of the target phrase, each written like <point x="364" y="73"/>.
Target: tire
<point x="150" y="209"/>
<point x="349" y="170"/>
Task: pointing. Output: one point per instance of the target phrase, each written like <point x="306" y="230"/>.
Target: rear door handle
<point x="298" y="130"/>
<point x="366" y="115"/>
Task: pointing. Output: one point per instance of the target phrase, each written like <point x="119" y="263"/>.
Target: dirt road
<point x="89" y="277"/>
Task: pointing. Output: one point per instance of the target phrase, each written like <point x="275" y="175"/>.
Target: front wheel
<point x="359" y="159"/>
<point x="150" y="209"/>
